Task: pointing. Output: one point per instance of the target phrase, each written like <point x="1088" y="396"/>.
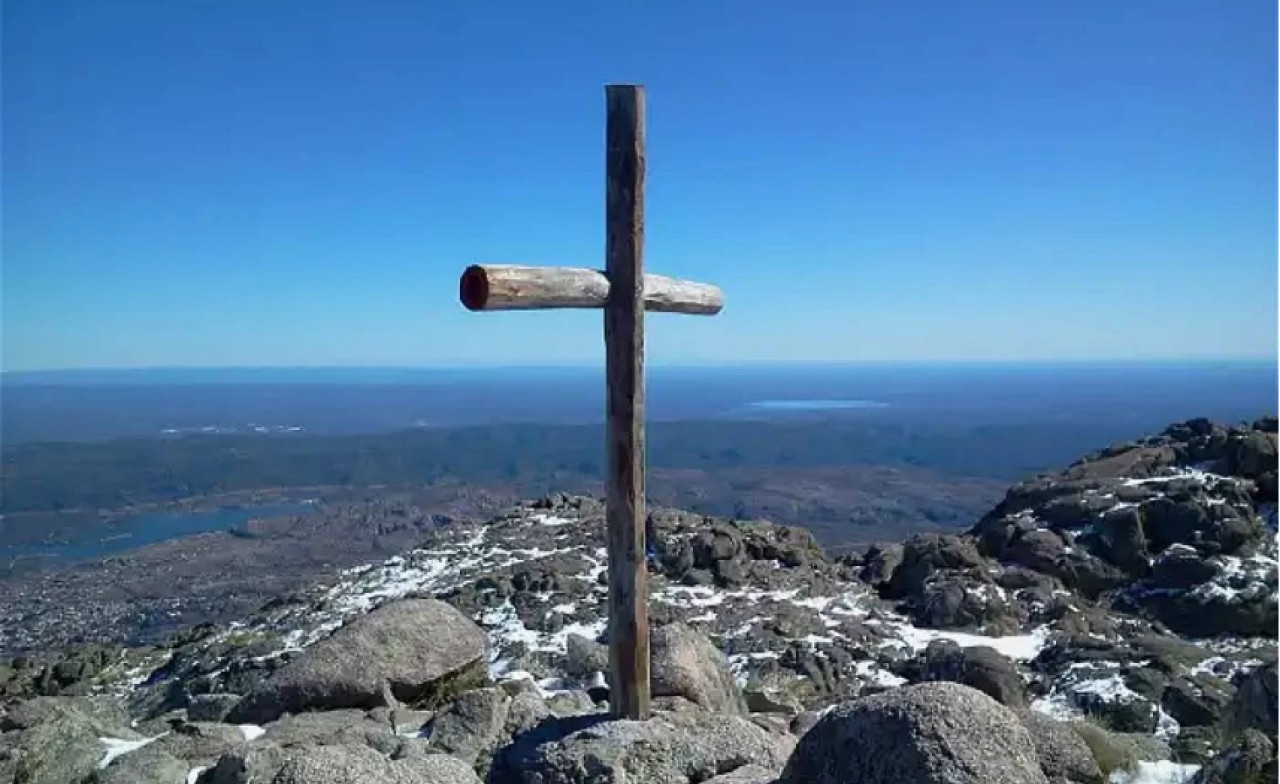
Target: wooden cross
<point x="625" y="292"/>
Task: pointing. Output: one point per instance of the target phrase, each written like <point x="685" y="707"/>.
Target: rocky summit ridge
<point x="1115" y="621"/>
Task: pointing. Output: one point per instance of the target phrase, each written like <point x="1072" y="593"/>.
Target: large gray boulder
<point x="1254" y="705"/>
<point x="57" y="751"/>
<point x="980" y="667"/>
<point x="211" y="707"/>
<point x="667" y="749"/>
<point x="747" y="774"/>
<point x="925" y="554"/>
<point x="1063" y="754"/>
<point x="54" y="740"/>
<point x="104" y="714"/>
<point x="584" y="657"/>
<point x="931" y="733"/>
<point x="470" y="728"/>
<point x="333" y="728"/>
<point x="687" y="664"/>
<point x="266" y="763"/>
<point x="1251" y="759"/>
<point x="200" y="743"/>
<point x="422" y="648"/>
<point x="362" y="765"/>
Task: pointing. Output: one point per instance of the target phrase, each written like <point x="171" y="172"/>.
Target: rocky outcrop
<point x="148" y="765"/>
<point x="672" y="748"/>
<point x="421" y="648"/>
<point x="61" y="749"/>
<point x="687" y="664"/>
<point x="934" y="733"/>
<point x="335" y="728"/>
<point x="1170" y="525"/>
<point x="55" y="740"/>
<point x="200" y="744"/>
<point x="471" y="726"/>
<point x="1024" y="637"/>
<point x="266" y="762"/>
<point x="1250" y="759"/>
<point x="979" y="667"/>
<point x="1254" y="706"/>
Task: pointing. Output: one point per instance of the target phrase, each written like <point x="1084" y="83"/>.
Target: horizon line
<point x="724" y="364"/>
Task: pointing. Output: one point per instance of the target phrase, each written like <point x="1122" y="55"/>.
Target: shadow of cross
<point x="625" y="292"/>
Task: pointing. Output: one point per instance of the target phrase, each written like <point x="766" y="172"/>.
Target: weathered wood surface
<point x="511" y="287"/>
<point x="625" y="293"/>
<point x="624" y="369"/>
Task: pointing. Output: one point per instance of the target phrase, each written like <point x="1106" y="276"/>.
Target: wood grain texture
<point x="511" y="287"/>
<point x="624" y="369"/>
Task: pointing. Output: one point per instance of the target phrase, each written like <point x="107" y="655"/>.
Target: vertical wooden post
<point x="624" y="372"/>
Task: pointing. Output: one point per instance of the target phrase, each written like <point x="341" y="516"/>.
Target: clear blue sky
<point x="300" y="183"/>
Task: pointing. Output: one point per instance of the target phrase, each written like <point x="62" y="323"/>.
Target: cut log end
<point x="473" y="288"/>
<point x="509" y="287"/>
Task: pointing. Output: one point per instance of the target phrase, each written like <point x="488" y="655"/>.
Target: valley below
<point x="138" y="595"/>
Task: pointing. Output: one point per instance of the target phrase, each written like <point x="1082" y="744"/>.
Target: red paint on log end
<point x="473" y="288"/>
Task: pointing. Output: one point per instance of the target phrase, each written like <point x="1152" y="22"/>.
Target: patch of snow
<point x="1056" y="706"/>
<point x="117" y="747"/>
<point x="559" y="642"/>
<point x="1251" y="579"/>
<point x="871" y="672"/>
<point x="1066" y="703"/>
<point x="745" y="628"/>
<point x="552" y="520"/>
<point x="1167" y="727"/>
<point x="818" y="603"/>
<point x="505" y="625"/>
<point x="1197" y="475"/>
<point x="1019" y="647"/>
<point x="193" y="775"/>
<point x="1112" y="688"/>
<point x="738" y="664"/>
<point x="987" y="592"/>
<point x="691" y="596"/>
<point x="760" y="596"/>
<point x="816" y="639"/>
<point x="1161" y="772"/>
<point x="1224" y="668"/>
<point x="251" y="731"/>
<point x="707" y="617"/>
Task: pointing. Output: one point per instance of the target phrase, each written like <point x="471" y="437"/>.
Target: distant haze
<point x="1127" y="399"/>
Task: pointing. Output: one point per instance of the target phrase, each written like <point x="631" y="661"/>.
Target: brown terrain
<point x="144" y="594"/>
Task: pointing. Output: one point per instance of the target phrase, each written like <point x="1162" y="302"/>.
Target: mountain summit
<point x="1112" y="621"/>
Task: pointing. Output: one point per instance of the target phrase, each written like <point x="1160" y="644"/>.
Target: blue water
<point x="128" y="533"/>
<point x="286" y="402"/>
<point x="815" y="405"/>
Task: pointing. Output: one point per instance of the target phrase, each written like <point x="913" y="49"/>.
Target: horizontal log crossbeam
<point x="509" y="287"/>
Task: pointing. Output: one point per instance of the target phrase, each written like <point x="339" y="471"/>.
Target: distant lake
<point x="129" y="533"/>
<point x="815" y="405"/>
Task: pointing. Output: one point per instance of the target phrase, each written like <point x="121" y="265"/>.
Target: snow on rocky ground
<point x="1160" y="772"/>
<point x="529" y="626"/>
<point x="535" y="577"/>
<point x="1128" y="590"/>
<point x="117" y="747"/>
<point x="1086" y="687"/>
